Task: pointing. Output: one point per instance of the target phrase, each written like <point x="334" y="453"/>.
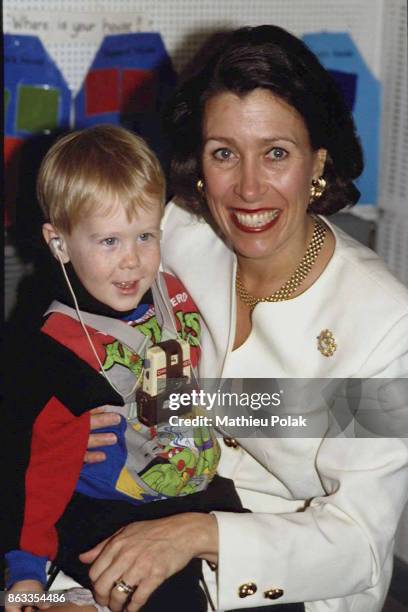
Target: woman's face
<point x="258" y="166"/>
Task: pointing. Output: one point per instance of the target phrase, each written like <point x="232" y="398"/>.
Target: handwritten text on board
<point x="70" y="27"/>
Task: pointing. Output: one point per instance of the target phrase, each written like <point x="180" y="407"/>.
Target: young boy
<point x="102" y="193"/>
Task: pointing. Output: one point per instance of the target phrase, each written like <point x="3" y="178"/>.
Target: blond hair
<point x="100" y="166"/>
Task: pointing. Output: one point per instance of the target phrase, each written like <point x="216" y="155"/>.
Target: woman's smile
<point x="254" y="220"/>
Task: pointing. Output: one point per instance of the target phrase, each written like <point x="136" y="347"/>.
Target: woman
<point x="263" y="143"/>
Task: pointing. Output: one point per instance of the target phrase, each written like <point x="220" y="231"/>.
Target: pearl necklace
<point x="285" y="292"/>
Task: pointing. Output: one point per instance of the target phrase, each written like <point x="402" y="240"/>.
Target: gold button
<point x="273" y="593"/>
<point x="231" y="442"/>
<point x="246" y="589"/>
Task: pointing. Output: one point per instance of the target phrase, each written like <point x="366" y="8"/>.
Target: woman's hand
<point x="100" y="419"/>
<point x="146" y="553"/>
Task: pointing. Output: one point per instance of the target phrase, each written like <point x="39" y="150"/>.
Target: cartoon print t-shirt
<point x="148" y="463"/>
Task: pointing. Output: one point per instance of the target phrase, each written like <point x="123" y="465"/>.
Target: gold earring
<point x="200" y="185"/>
<point x="317" y="188"/>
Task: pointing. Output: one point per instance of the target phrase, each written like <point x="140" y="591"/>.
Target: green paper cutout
<point x="37" y="108"/>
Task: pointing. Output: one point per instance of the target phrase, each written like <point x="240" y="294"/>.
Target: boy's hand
<point x="29" y="587"/>
<point x="100" y="419"/>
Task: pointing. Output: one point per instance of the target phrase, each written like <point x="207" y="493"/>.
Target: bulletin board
<point x="185" y="24"/>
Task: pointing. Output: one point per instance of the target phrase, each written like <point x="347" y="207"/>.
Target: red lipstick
<point x="254" y="229"/>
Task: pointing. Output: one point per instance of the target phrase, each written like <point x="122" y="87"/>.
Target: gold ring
<point x="122" y="587"/>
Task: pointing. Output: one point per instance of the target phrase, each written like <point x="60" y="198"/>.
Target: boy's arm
<point x="46" y="415"/>
<point x="43" y="488"/>
<point x="44" y="448"/>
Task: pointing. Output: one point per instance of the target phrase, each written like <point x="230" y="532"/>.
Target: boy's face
<point x="116" y="259"/>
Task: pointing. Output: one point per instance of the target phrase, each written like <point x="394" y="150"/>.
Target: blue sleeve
<point x="23" y="565"/>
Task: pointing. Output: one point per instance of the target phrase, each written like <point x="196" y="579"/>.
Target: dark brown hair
<point x="271" y="58"/>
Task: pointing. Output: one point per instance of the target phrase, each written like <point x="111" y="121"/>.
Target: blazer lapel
<point x="206" y="266"/>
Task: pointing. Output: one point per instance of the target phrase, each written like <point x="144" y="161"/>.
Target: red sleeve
<point x="187" y="315"/>
<point x="58" y="446"/>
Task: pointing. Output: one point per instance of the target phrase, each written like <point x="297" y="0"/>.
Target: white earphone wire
<point x="91" y="344"/>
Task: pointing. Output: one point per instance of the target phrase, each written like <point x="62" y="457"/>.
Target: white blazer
<point x="324" y="510"/>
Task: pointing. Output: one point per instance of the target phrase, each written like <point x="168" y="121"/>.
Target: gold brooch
<point x="326" y="343"/>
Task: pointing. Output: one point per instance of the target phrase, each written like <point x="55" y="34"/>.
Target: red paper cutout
<point x="139" y="91"/>
<point x="102" y="92"/>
